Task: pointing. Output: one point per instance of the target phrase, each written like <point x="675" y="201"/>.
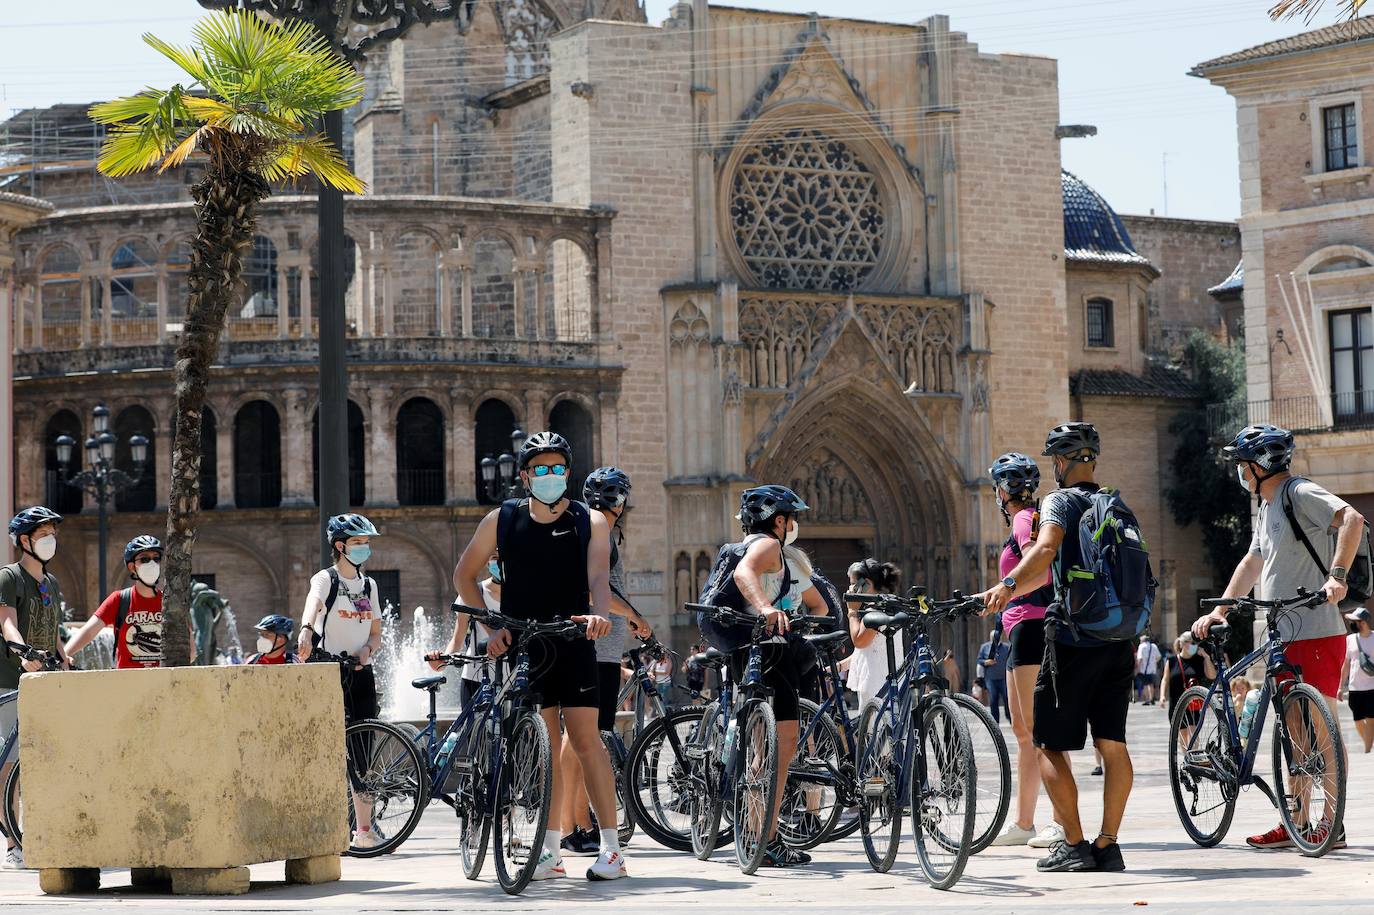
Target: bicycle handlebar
<point x="1304" y="598"/>
<point x="727" y="617"/>
<point x="564" y="628"/>
<point x="48" y="659"/>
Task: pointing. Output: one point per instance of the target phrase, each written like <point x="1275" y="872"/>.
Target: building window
<point x="1352" y="364"/>
<point x="141" y="497"/>
<point x="1100" y="332"/>
<point x="571" y="420"/>
<point x="420" y="453"/>
<point x="357" y="455"/>
<point x="1340" y="142"/>
<point x="257" y="456"/>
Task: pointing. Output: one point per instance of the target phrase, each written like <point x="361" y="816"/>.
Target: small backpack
<point x="1109" y="593"/>
<point x="335" y="585"/>
<point x="721" y="591"/>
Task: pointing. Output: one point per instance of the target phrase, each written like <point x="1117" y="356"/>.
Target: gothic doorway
<point x="832" y="556"/>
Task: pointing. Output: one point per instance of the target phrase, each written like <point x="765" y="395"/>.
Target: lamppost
<point x="498" y="473"/>
<point x="335" y="21"/>
<point x="102" y="480"/>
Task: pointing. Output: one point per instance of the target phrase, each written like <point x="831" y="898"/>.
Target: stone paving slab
<point x="1165" y="871"/>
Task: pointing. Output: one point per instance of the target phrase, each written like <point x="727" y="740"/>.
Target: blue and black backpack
<point x="1109" y="593"/>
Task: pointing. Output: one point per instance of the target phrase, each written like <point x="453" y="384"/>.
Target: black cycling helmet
<point x="1070" y="439"/>
<point x="281" y="625"/>
<point x="142" y="544"/>
<point x="1268" y="446"/>
<point x="762" y="503"/>
<point x="606" y="487"/>
<point x="341" y="527"/>
<point x="1015" y="473"/>
<point x="544" y="443"/>
<point x="30" y="519"/>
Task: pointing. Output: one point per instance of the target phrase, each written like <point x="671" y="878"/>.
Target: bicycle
<point x="13" y="808"/>
<point x="916" y="752"/>
<point x="1210" y="761"/>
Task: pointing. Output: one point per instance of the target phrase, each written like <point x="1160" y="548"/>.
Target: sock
<point x="610" y="841"/>
<point x="551" y="841"/>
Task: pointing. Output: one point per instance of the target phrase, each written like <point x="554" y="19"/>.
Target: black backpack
<point x="1108" y="594"/>
<point x="721" y="591"/>
<point x="336" y="585"/>
<point x="1359" y="579"/>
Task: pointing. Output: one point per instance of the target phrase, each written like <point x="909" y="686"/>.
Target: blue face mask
<point x="548" y="489"/>
<point x="494" y="569"/>
<point x="359" y="554"/>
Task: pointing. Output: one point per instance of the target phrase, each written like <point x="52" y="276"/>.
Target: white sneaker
<point x="549" y="866"/>
<point x="367" y="839"/>
<point x="609" y="865"/>
<point x="14" y="859"/>
<point x="1014" y="835"/>
<point x="1048" y="836"/>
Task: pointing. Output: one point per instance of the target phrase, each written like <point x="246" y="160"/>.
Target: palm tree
<point x="257" y="89"/>
<point x="1307" y="9"/>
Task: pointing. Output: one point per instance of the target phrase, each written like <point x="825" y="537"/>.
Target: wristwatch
<point x="1338" y="573"/>
<point x="1009" y="582"/>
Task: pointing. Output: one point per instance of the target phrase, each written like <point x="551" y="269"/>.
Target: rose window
<point x="806" y="213"/>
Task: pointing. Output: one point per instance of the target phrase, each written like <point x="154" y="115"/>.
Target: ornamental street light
<point x="499" y="479"/>
<point x="351" y="27"/>
<point x="102" y="480"/>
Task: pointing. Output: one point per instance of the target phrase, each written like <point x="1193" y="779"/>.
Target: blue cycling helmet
<point x="143" y="543"/>
<point x="281" y="625"/>
<point x="341" y="527"/>
<point x="762" y="503"/>
<point x="606" y="487"/>
<point x="1268" y="446"/>
<point x="28" y="520"/>
<point x="1016" y="473"/>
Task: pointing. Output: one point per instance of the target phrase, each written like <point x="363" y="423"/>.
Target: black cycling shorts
<point x="1362" y="703"/>
<point x="608" y="676"/>
<point x="360" y="693"/>
<point x="1027" y="644"/>
<point x="782" y="673"/>
<point x="1092" y="689"/>
<point x="563" y="673"/>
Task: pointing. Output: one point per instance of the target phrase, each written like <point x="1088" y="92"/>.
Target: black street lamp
<point x="102" y="480"/>
<point x="338" y="21"/>
<point x="499" y="479"/>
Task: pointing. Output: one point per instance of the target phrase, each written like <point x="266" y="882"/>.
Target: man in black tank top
<point x="555" y="558"/>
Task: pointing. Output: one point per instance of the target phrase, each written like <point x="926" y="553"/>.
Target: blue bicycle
<point x="1210" y="760"/>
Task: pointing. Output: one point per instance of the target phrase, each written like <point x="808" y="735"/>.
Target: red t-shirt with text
<point x="138" y="643"/>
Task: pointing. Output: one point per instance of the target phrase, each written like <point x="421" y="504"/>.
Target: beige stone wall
<point x="1126" y="288"/>
<point x="1192" y="256"/>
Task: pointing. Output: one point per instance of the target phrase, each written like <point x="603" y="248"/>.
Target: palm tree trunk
<point x="226" y="204"/>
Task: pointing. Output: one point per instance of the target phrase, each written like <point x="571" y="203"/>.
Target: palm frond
<point x="1308" y="9"/>
<point x="185" y="58"/>
<point x="184" y="149"/>
<point x="128" y="150"/>
<point x="146" y="126"/>
<point x="318" y="157"/>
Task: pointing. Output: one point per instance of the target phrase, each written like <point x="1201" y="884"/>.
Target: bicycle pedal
<point x="875" y="788"/>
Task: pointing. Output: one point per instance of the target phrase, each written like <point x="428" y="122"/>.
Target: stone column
<point x="36" y="335"/>
<point x="283" y="300"/>
<point x="446" y="273"/>
<point x="107" y="310"/>
<point x="30" y="471"/>
<point x="306" y="330"/>
<point x="381" y="458"/>
<point x="224" y="454"/>
<point x="388" y="306"/>
<point x="296" y="453"/>
<point x="462" y="444"/>
<point x="162" y="305"/>
<point x="86" y="305"/>
<point x="365" y="310"/>
<point x="601" y="293"/>
<point x="540" y="319"/>
<point x="467" y="299"/>
<point x="518" y="284"/>
<point x="536" y="410"/>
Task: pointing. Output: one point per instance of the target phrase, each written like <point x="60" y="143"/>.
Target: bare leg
<point x="1116" y="789"/>
<point x="1056" y="771"/>
<point x="787" y="748"/>
<point x="1365" y="728"/>
<point x="596" y="765"/>
<point x="1021" y="691"/>
<point x="575" y="809"/>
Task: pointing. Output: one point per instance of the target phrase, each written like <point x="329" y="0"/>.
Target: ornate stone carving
<point x="829" y="486"/>
<point x="689" y="325"/>
<point x="526" y="26"/>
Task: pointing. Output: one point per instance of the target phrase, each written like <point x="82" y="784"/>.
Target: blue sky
<point x="1122" y="67"/>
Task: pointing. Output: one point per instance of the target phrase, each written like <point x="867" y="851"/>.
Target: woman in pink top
<point x="1016" y="478"/>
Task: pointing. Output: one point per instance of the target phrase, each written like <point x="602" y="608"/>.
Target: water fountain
<point x="400" y="660"/>
<point x="99" y="654"/>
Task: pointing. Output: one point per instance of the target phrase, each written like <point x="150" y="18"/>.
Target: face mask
<point x="1189" y="651"/>
<point x="549" y="489"/>
<point x="1240" y="475"/>
<point x="791" y="537"/>
<point x="359" y="554"/>
<point x="1059" y="474"/>
<point x="494" y="570"/>
<point x="148" y="572"/>
<point x="265" y="644"/>
<point x="45" y="548"/>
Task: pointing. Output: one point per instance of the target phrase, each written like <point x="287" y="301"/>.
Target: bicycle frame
<point x="483" y="702"/>
<point x="12" y="738"/>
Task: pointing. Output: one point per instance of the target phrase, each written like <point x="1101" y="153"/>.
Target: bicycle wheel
<point x="994" y="770"/>
<point x="1309" y="770"/>
<point x="810" y="805"/>
<point x="882" y="797"/>
<point x="386" y="775"/>
<point x="756" y="786"/>
<point x="706" y="798"/>
<point x="1202" y="769"/>
<point x="658" y="780"/>
<point x="14" y="810"/>
<point x="470" y="800"/>
<point x="523" y="786"/>
<point x="944" y="792"/>
<point x="624" y="817"/>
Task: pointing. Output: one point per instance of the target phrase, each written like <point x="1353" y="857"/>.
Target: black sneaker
<point x="580" y="842"/>
<point x="1097" y="770"/>
<point x="1066" y="857"/>
<point x="780" y="855"/>
<point x="1108" y="858"/>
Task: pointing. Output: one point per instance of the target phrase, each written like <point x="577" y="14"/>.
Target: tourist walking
<point x="1357" y="677"/>
<point x="1147" y="660"/>
<point x="992" y="667"/>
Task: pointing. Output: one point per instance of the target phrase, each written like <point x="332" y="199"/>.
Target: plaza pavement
<point x="1165" y="871"/>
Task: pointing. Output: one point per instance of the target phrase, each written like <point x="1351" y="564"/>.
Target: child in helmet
<point x="274" y="638"/>
<point x="134" y="613"/>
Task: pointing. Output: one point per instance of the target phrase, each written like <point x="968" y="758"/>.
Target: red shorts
<point x="1320" y="660"/>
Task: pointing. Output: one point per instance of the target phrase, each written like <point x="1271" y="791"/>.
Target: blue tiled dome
<point x="1092" y="230"/>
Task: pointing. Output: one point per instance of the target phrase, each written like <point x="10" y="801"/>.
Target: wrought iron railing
<point x="1310" y="413"/>
<point x="420" y="487"/>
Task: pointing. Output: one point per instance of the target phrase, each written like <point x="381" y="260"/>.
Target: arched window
<point x="357" y="460"/>
<point x="350" y="262"/>
<point x="209" y="459"/>
<point x="572" y="421"/>
<point x="178" y="289"/>
<point x="567" y="292"/>
<point x="257" y="456"/>
<point x="495" y="423"/>
<point x="1099" y="323"/>
<point x="133" y="287"/>
<point x="493" y="288"/>
<point x="60" y="276"/>
<point x="420" y="453"/>
<point x="142" y="496"/>
<point x="416" y="287"/>
<point x="57" y="495"/>
<point x="260" y="279"/>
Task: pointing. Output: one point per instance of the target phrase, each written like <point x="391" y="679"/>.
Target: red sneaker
<point x="1274" y="838"/>
<point x="1319" y="836"/>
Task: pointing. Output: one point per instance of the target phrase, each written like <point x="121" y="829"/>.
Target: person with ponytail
<point x="868" y="665"/>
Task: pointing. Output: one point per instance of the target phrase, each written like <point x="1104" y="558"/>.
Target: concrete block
<point x="63" y="881"/>
<point x="183" y="767"/>
<point x="319" y="869"/>
<point x="209" y="881"/>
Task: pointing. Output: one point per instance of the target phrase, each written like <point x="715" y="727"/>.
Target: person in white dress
<point x="868" y="664"/>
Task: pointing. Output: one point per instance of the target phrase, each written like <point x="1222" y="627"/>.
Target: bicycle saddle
<point x="826" y="638"/>
<point x="429" y="681"/>
<point x="875" y="620"/>
<point x="711" y="657"/>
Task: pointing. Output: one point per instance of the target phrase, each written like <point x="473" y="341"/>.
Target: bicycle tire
<point x="944" y="743"/>
<point x="624" y="816"/>
<point x="756" y="786"/>
<point x="881" y="796"/>
<point x="369" y="743"/>
<point x="807" y="815"/>
<point x="526" y="776"/>
<point x="849" y="823"/>
<point x="1309" y="838"/>
<point x="994" y="782"/>
<point x="659" y="788"/>
<point x="707" y="799"/>
<point x="1213" y="745"/>
<point x="470" y="801"/>
<point x="13" y="810"/>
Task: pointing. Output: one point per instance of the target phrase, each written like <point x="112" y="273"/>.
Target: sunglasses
<point x="144" y="560"/>
<point x="43" y="592"/>
<point x="543" y="470"/>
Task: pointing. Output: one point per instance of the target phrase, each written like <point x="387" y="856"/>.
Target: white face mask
<point x="792" y="533"/>
<point x="1240" y="475"/>
<point x="148" y="572"/>
<point x="45" y="548"/>
<point x="265" y="644"/>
